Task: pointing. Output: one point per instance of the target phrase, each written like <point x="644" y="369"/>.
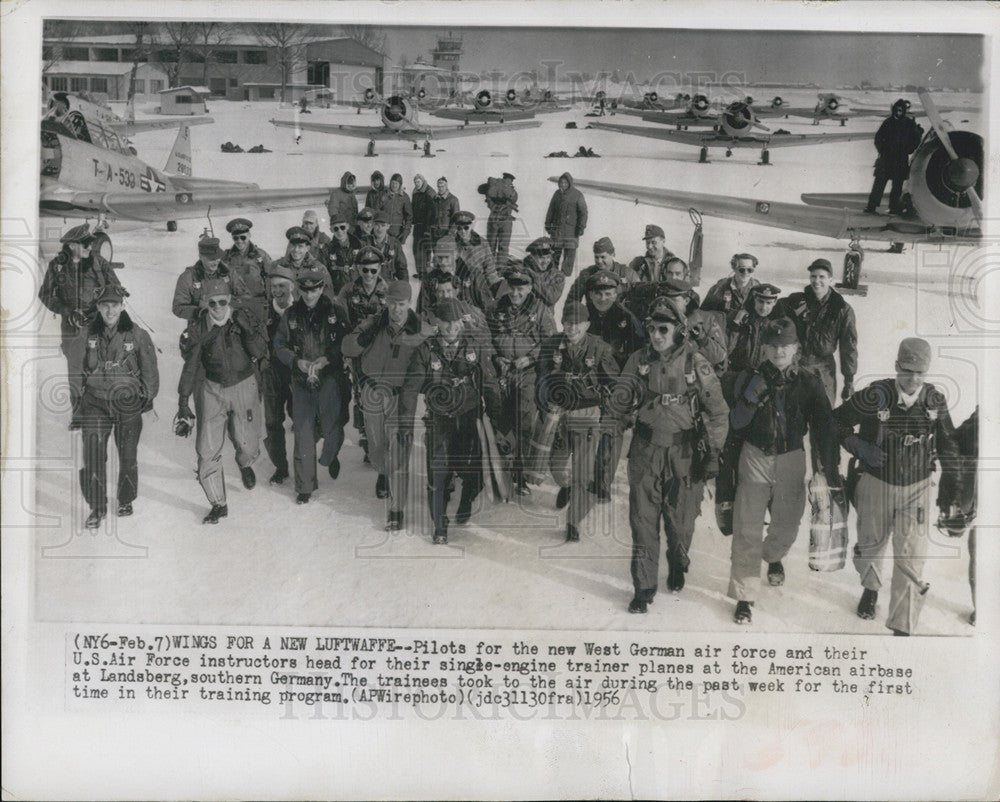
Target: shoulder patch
<point x="704" y="369"/>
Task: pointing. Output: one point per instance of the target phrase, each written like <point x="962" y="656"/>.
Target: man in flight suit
<point x="250" y="264"/>
<point x="275" y="375"/>
<point x="897" y="137"/>
<point x="665" y="385"/>
<point x="903" y="425"/>
<point x="729" y="295"/>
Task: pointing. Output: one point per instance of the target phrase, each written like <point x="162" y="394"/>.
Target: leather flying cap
<point x="575" y="313"/>
<point x="914" y="354"/>
<point x="280" y="271"/>
<point x="366" y="214"/>
<point x="297" y="234"/>
<point x="310" y="217"/>
<point x="766" y="291"/>
<point x="604" y="245"/>
<point x="80" y="233"/>
<point x="448" y="311"/>
<point x="239" y="226"/>
<point x="603" y="280"/>
<point x="215" y="286"/>
<point x="653" y="231"/>
<point x="779" y="332"/>
<point x="208" y="248"/>
<point x="313" y="277"/>
<point x="821" y="264"/>
<point x="368" y="256"/>
<point x="111" y="293"/>
<point x="399" y="291"/>
<point x="542" y="245"/>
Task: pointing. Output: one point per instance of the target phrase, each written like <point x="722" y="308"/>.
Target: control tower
<point x="448" y="52"/>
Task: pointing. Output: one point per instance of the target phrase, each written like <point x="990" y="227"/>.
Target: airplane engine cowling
<point x="699" y="103"/>
<point x="547" y="94"/>
<point x="938" y="183"/>
<point x="397" y="112"/>
<point x="738" y="119"/>
<point x="422" y="93"/>
<point x="778" y="102"/>
<point x="652" y="97"/>
<point x="511" y="95"/>
<point x="832" y="104"/>
<point x="483" y="99"/>
<point x="369" y="95"/>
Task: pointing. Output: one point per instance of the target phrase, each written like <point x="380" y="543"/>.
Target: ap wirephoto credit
<point x="591" y="397"/>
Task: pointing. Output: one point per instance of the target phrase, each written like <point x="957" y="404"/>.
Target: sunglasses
<point x="370" y="270"/>
<point x="661" y="330"/>
<point x="221" y="304"/>
<point x="240" y="237"/>
<point x="339" y="228"/>
<point x="745" y="270"/>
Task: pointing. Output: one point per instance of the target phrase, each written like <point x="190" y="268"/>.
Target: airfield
<point x="330" y="563"/>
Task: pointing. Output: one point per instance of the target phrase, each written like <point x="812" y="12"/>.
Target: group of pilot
<point x="745" y="375"/>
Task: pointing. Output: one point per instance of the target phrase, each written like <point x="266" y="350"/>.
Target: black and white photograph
<point x="595" y="385"/>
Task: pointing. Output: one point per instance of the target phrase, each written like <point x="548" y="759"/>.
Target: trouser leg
<point x="212" y="422"/>
<point x="878" y="188"/>
<point x="492" y="234"/>
<point x="96" y="427"/>
<point x="274" y="419"/>
<point x="397" y="465"/>
<point x="74" y="348"/>
<point x="584" y="445"/>
<point x="753" y="494"/>
<point x="560" y="456"/>
<point x="467" y="450"/>
<point x="875" y="521"/>
<point x="568" y="261"/>
<point x="682" y="501"/>
<point x="378" y="443"/>
<point x="972" y="565"/>
<point x="245" y="421"/>
<point x="608" y="455"/>
<point x="896" y="195"/>
<point x="525" y="414"/>
<point x="304" y="405"/>
<point x="909" y="550"/>
<point x="645" y="469"/>
<point x="504" y="229"/>
<point x="330" y="419"/>
<point x="127" y="431"/>
<point x="438" y="444"/>
<point x="788" y="503"/>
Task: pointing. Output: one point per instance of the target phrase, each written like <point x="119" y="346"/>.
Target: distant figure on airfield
<point x="897" y="137"/>
<point x="565" y="222"/>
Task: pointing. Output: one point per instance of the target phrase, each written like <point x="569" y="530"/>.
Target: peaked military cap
<point x="239" y="226"/>
<point x="399" y="291"/>
<point x="80" y="233"/>
<point x="575" y="313"/>
<point x="766" y="291"/>
<point x="111" y="292"/>
<point x="297" y="234"/>
<point x="603" y="280"/>
<point x="914" y="354"/>
<point x="368" y="256"/>
<point x="311" y="278"/>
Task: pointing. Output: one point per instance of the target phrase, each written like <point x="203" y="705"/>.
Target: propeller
<point x="511" y="95"/>
<point x="962" y="173"/>
<point x="739" y="117"/>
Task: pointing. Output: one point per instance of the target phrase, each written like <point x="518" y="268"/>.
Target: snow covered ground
<point x="331" y="563"/>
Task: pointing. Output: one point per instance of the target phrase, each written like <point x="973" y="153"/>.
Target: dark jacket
<point x="66" y="288"/>
<point x="470" y="288"/>
<point x="120" y="365"/>
<point x="911" y="438"/>
<point x="384" y="354"/>
<point x="478" y="258"/>
<point x="566" y="218"/>
<point x="251" y="268"/>
<point x="518" y="332"/>
<point x="724" y="297"/>
<point x="424" y="216"/>
<point x="664" y="391"/>
<point x="445" y="209"/>
<point x="501" y="198"/>
<point x="745" y="336"/>
<point x="393" y="259"/>
<point x="452" y="383"/>
<point x="790" y="404"/>
<point x="547" y="284"/>
<point x="338" y="259"/>
<point x="343" y="201"/>
<point x="187" y="291"/>
<point x="647" y="270"/>
<point x="578" y="289"/>
<point x="895" y="140"/>
<point x="619" y="328"/>
<point x="824" y="327"/>
<point x="225" y="354"/>
<point x="305" y="333"/>
<point x="375" y="199"/>
<point x="360" y="304"/>
<point x="397" y="205"/>
<point x="575" y="377"/>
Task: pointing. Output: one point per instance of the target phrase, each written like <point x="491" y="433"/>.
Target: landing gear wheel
<point x="171" y="225"/>
<point x="765" y="157"/>
<point x="896" y="247"/>
<point x="370" y="150"/>
<point x="703" y="156"/>
<point x="728" y="153"/>
<point x="843" y="122"/>
<point x="427" y="149"/>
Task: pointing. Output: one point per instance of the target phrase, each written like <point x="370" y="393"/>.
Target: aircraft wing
<point x="426" y="132"/>
<point x="855" y="201"/>
<point x="792" y="140"/>
<point x="684" y="137"/>
<point x="490" y="115"/>
<point x="827" y="221"/>
<point x="195" y="200"/>
<point x="142" y="126"/>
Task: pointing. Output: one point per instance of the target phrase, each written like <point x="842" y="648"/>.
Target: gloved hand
<point x="772" y="375"/>
<point x="868" y="453"/>
<point x="366" y="336"/>
<point x="697" y="332"/>
<point x="756" y="390"/>
<point x="76" y="318"/>
<point x="848" y="390"/>
<point x="184" y="408"/>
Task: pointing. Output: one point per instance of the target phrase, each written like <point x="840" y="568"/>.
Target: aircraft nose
<point x="962" y="173"/>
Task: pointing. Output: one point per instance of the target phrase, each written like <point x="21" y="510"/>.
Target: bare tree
<point x="179" y="37"/>
<point x="143" y="33"/>
<point x="289" y="42"/>
<point x="63" y="31"/>
<point x="208" y="37"/>
<point x="369" y="35"/>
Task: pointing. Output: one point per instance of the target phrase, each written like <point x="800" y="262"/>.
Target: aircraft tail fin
<point x="179" y="160"/>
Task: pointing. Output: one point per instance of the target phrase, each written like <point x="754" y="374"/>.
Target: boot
<point x="866" y="607"/>
<point x="572" y="534"/>
<point x="775" y="574"/>
<point x="124" y="510"/>
<point x="94" y="519"/>
<point x="218" y="511"/>
<point x="464" y="511"/>
<point x="441" y="532"/>
<point x="675" y="579"/>
<point x="744" y="612"/>
<point x="394" y="522"/>
<point x="249" y="477"/>
<point x="382" y="486"/>
<point x="522" y="488"/>
<point x="562" y="497"/>
<point x="639" y="604"/>
<point x="303" y="498"/>
<point x="334" y="468"/>
<point x="279" y="476"/>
